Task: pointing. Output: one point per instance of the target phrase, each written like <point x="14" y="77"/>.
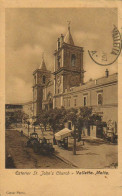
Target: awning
<point x="63" y="133"/>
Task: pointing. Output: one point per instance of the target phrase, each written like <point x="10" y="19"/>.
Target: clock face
<point x="58" y="80"/>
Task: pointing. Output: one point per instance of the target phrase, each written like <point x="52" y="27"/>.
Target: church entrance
<point x="50" y="105"/>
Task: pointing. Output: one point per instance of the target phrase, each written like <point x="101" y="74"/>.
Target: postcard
<point x="60" y="97"/>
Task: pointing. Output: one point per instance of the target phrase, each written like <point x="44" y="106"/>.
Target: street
<point x="94" y="154"/>
<point x="25" y="158"/>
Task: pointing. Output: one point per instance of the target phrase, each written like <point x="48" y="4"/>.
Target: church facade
<point x="66" y="87"/>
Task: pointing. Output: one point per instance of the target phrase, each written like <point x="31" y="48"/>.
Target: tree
<point x="8" y="120"/>
<point x="95" y="119"/>
<point x="25" y="117"/>
<point x="72" y="115"/>
<point x="57" y="119"/>
<point x="81" y="117"/>
<point x="43" y="118"/>
<point x="20" y="115"/>
<point x="85" y="113"/>
<point x="16" y="117"/>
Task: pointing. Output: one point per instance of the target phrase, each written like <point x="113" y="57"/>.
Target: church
<point x="65" y="86"/>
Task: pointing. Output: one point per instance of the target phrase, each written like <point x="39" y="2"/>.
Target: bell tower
<point x="68" y="68"/>
<point x="41" y="77"/>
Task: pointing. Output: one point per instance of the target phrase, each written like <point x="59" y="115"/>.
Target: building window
<point x="44" y="79"/>
<point x="70" y="125"/>
<point x="46" y="107"/>
<point x="73" y="60"/>
<point x="58" y="58"/>
<point x="58" y="64"/>
<point x="35" y="79"/>
<point x="50" y="105"/>
<point x="68" y="102"/>
<point x="58" y="91"/>
<point x="75" y="102"/>
<point x="58" y="43"/>
<point x="99" y="98"/>
<point x="84" y="101"/>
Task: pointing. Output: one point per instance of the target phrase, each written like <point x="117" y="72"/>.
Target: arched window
<point x="49" y="97"/>
<point x="73" y="60"/>
<point x="44" y="78"/>
<point x="85" y="100"/>
<point x="58" y="58"/>
<point x="35" y="79"/>
<point x="99" y="99"/>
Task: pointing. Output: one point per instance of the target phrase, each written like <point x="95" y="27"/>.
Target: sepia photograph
<point x="61" y="88"/>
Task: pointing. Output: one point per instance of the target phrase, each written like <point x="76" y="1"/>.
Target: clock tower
<point x="68" y="65"/>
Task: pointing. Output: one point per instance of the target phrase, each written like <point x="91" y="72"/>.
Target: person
<point x="21" y="133"/>
<point x="42" y="130"/>
<point x="9" y="162"/>
<point x="44" y="141"/>
<point x="59" y="143"/>
<point x="54" y="140"/>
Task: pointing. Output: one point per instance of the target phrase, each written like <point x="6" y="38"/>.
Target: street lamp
<point x="34" y="122"/>
<point x="74" y="144"/>
<point x="28" y="127"/>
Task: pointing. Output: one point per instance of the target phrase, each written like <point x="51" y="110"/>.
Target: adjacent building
<point x="11" y="109"/>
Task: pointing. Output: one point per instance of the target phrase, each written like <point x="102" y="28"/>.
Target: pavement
<point x="91" y="156"/>
<point x="94" y="154"/>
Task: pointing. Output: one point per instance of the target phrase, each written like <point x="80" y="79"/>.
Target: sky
<point x="30" y="32"/>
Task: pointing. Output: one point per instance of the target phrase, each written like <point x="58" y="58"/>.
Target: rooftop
<point x="94" y="83"/>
